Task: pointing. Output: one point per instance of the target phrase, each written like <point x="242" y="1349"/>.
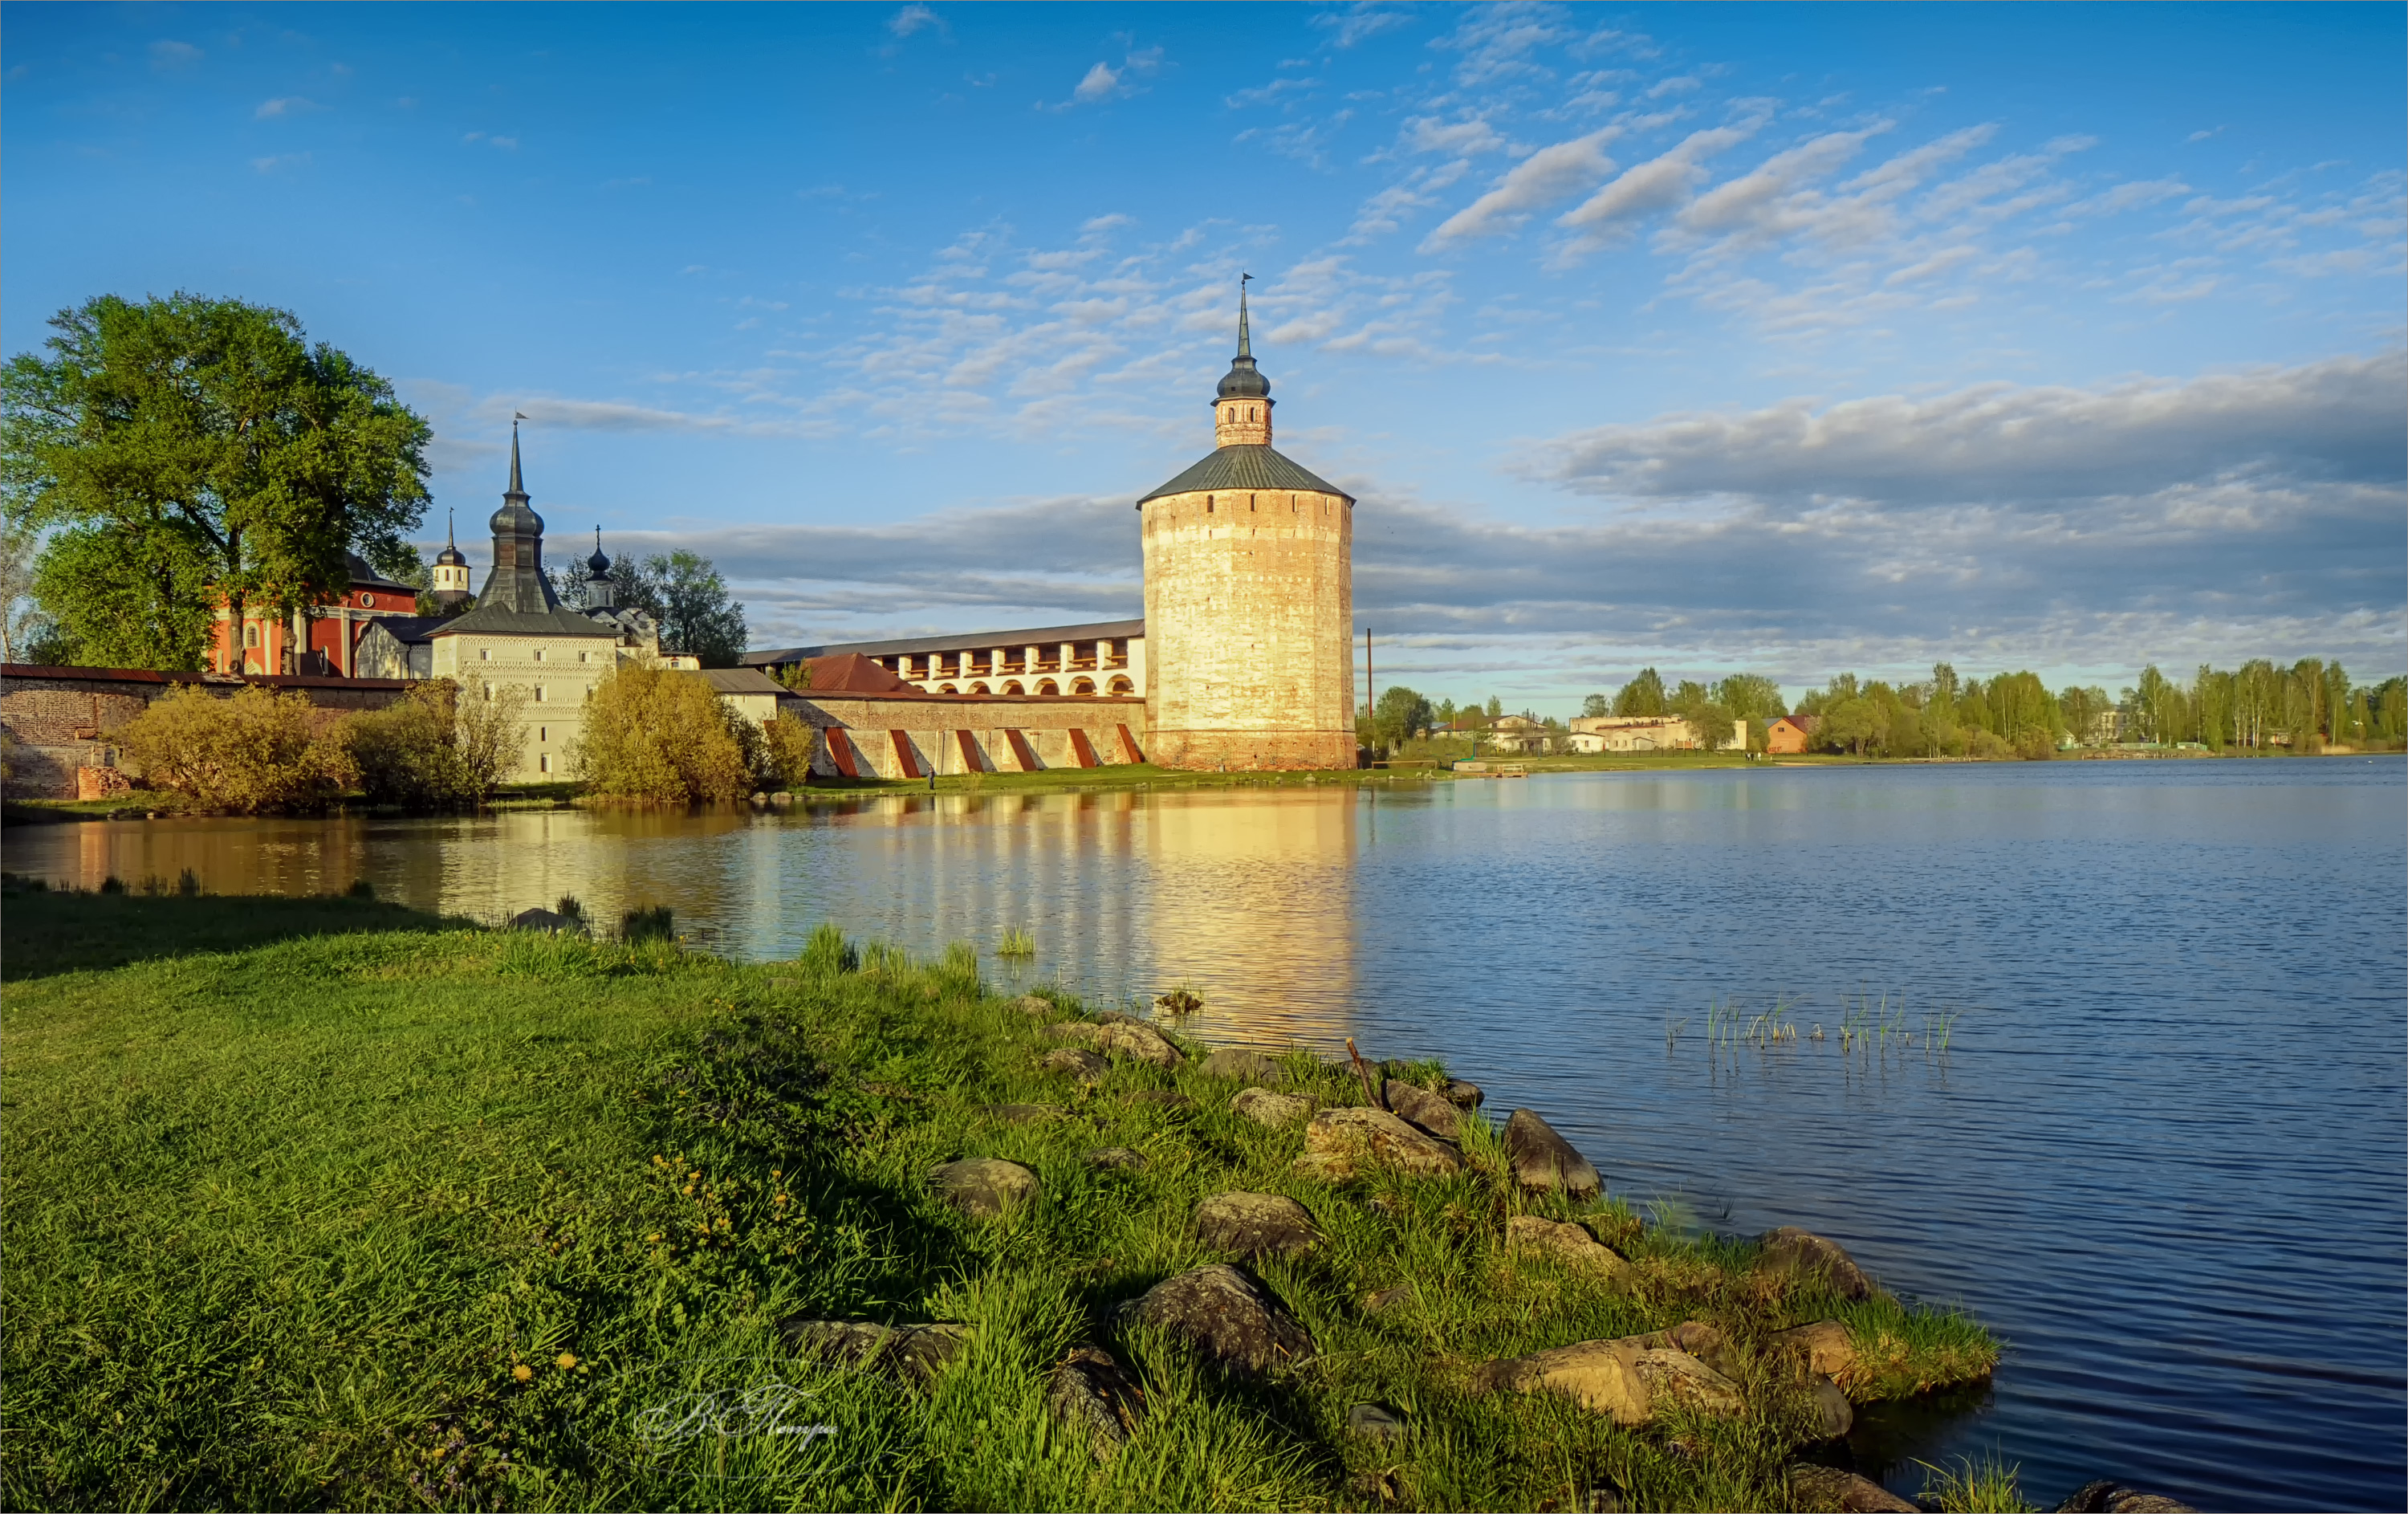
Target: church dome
<point x="1244" y="381"/>
<point x="598" y="562"/>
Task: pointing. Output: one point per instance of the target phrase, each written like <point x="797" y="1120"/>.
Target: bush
<point x="657" y="922"/>
<point x="2035" y="744"/>
<point x="660" y="735"/>
<point x="432" y="747"/>
<point x="827" y="951"/>
<point x="1987" y="747"/>
<point x="258" y="750"/>
<point x="786" y="746"/>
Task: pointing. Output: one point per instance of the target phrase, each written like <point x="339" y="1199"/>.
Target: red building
<point x="265" y="642"/>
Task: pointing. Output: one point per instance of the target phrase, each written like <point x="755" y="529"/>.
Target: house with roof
<point x="1790" y="734"/>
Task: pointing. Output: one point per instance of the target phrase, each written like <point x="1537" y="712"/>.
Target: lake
<point x="2164" y="1152"/>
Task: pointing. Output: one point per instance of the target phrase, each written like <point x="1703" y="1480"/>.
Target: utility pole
<point x="1371" y="690"/>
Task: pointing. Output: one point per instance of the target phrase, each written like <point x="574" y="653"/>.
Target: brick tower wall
<point x="1249" y="624"/>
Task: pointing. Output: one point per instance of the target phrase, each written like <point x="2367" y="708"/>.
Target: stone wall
<point x="1249" y="622"/>
<point x="904" y="736"/>
<point x="61" y="719"/>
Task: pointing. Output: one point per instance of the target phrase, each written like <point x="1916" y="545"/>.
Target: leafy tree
<point x="1642" y="696"/>
<point x="2082" y="709"/>
<point x="1496" y="708"/>
<point x="1400" y="715"/>
<point x="1853" y="725"/>
<point x="126" y="599"/>
<point x="660" y="735"/>
<point x="786" y="746"/>
<point x="1750" y="697"/>
<point x="434" y="747"/>
<point x="1594" y="706"/>
<point x="255" y="750"/>
<point x="686" y="595"/>
<point x="209" y="431"/>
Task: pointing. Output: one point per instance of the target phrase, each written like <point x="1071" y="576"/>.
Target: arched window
<point x="1048" y="686"/>
<point x="977" y="688"/>
<point x="1012" y="687"/>
<point x="249" y="634"/>
<point x="1083" y="686"/>
<point x="1124" y="687"/>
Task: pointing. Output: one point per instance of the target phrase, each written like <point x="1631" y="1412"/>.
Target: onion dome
<point x="450" y="557"/>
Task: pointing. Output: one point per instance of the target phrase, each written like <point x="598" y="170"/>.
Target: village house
<point x="1518" y="734"/>
<point x="1790" y="734"/>
<point x="1643" y="733"/>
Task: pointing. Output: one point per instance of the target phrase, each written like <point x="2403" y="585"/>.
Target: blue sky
<point x="1788" y="339"/>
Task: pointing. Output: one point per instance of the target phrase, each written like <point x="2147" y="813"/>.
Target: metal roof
<point x="1244" y="467"/>
<point x="1099" y="631"/>
<point x="743" y="681"/>
<point x="492" y="620"/>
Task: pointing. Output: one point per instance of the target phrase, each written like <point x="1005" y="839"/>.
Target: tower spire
<point x="450" y="538"/>
<point x="1245" y="346"/>
<point x="1242" y="406"/>
<point x="516" y="487"/>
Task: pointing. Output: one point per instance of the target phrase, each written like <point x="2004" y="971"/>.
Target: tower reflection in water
<point x="1245" y="896"/>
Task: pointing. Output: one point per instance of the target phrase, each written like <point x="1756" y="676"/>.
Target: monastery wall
<point x="907" y="735"/>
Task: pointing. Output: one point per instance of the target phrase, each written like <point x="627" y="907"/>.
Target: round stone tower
<point x="1249" y="598"/>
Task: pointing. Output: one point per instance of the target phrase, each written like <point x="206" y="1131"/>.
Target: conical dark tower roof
<point x="517" y="581"/>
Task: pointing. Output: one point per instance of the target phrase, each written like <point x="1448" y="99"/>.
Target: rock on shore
<point x="1251" y="1225"/>
<point x="1568" y="1244"/>
<point x="1628" y="1378"/>
<point x="1264" y="1107"/>
<point x="1340" y="1142"/>
<point x="1543" y="1159"/>
<point x="1092" y="1397"/>
<point x="985" y="1188"/>
<point x="1790" y="1252"/>
<point x="1425" y="1110"/>
<point x="1830" y="1490"/>
<point x="1229" y="1317"/>
<point x="913" y="1353"/>
<point x="1244" y="1067"/>
<point x="2108" y="1496"/>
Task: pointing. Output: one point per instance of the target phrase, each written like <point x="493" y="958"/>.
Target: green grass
<point x="296" y="1187"/>
<point x="1983" y="1487"/>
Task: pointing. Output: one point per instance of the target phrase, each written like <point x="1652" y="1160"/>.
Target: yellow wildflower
<point x="522" y="1373"/>
<point x="566" y="1362"/>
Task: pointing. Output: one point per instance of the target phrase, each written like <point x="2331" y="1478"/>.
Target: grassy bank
<point x="316" y="1202"/>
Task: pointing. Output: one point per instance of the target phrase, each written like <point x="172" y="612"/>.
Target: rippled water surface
<point x="2163" y="1154"/>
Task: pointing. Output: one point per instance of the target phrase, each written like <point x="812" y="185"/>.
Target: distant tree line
<point x="2257" y="707"/>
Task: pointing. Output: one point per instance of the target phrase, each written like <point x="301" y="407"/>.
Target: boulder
<point x="1834" y="1416"/>
<point x="1117" y="1159"/>
<point x="1244" y="1067"/>
<point x="1824" y="1345"/>
<point x="1252" y="1225"/>
<point x="1078" y="1032"/>
<point x="1084" y="1065"/>
<point x="1463" y="1095"/>
<point x="1543" y="1159"/>
<point x="1375" y="1423"/>
<point x="1791" y="1253"/>
<point x="1034" y="1007"/>
<point x="1137" y="1041"/>
<point x="1356" y="1134"/>
<point x="1264" y="1107"/>
<point x="1022" y="1114"/>
<point x="985" y="1188"/>
<point x="545" y="920"/>
<point x="1114" y="1016"/>
<point x="913" y="1353"/>
<point x="1226" y="1315"/>
<point x="1834" y="1492"/>
<point x="1093" y="1399"/>
<point x="1567" y="1243"/>
<point x="1628" y="1379"/>
<point x="1395" y="1296"/>
<point x="2108" y="1496"/>
<point x="1704" y="1340"/>
<point x="1425" y="1109"/>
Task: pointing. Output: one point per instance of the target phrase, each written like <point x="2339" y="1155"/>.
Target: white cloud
<point x="917" y="18"/>
<point x="1548" y="175"/>
<point x="1661" y="183"/>
<point x="167" y="53"/>
<point x="1099" y="83"/>
<point x="289" y="104"/>
<point x="1359" y="21"/>
<point x="1454" y="139"/>
<point x="2346" y="418"/>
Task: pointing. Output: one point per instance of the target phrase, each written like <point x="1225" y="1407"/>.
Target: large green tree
<point x="685" y="593"/>
<point x="186" y="447"/>
<point x="1642" y="696"/>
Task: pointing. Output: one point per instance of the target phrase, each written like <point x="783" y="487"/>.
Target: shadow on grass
<point x="47" y="932"/>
